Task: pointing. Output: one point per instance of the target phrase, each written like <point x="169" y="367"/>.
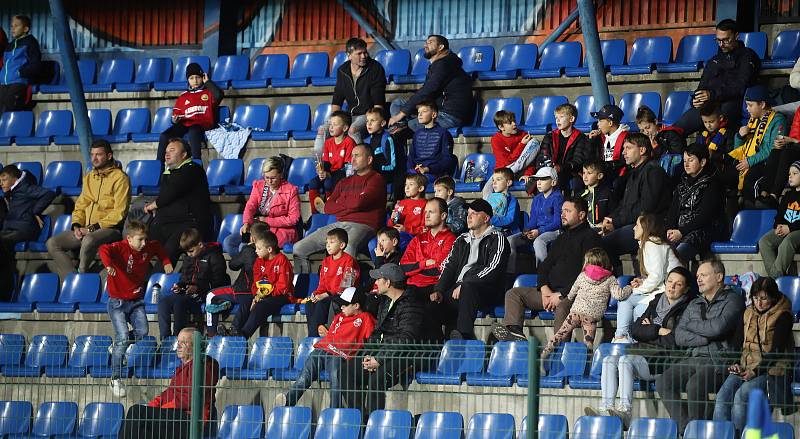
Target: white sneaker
<point x="117" y="388"/>
<point x="280" y="400"/>
<point x="591" y="411"/>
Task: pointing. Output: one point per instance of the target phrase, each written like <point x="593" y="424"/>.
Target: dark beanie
<point x="193" y="69"/>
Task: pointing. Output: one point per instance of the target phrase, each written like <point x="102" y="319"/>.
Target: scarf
<point x="758" y="129"/>
<point x="662" y="309"/>
<point x="266" y="200"/>
<point x="714" y="140"/>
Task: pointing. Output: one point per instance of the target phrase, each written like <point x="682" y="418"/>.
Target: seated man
<point x="168" y="414"/>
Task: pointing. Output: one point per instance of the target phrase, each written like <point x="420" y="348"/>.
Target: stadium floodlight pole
<point x="198" y="383"/>
<point x="559" y="30"/>
<point x="591" y="41"/>
<point x="70" y="62"/>
<point x="385" y="44"/>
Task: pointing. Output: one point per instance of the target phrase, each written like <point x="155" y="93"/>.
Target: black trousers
<point x="195" y="134"/>
<point x="258" y="316"/>
<point x="697" y="377"/>
<point x="459" y="314"/>
<point x="690" y="122"/>
<point x="366" y="390"/>
<point x="174" y="312"/>
<point x="143" y="422"/>
<point x="777" y="170"/>
<point x="432" y="322"/>
<point x="12" y="97"/>
<point x="317" y="314"/>
<point x="169" y="235"/>
<point x="8" y="265"/>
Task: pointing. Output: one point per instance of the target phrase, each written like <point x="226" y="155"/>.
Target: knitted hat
<point x="193" y="69"/>
<point x="757" y="93"/>
<point x="795" y="165"/>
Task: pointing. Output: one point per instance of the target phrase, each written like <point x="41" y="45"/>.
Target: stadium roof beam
<point x="384" y="43"/>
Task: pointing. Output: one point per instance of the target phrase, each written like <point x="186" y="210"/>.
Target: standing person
<point x="194" y="112"/>
<point x="779" y="245"/>
<point x="99" y="213"/>
<point x="127" y="263"/>
<point x="22" y="61"/>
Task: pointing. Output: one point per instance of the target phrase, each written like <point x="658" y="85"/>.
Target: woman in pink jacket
<point x="273" y="201"/>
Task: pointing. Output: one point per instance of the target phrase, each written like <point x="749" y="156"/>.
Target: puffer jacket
<point x="206" y="271"/>
<point x="104" y="199"/>
<point x="712" y="329"/>
<point x="768" y="334"/>
<point x="397" y="326"/>
<point x="727" y="75"/>
<point x="22" y="206"/>
<point x="449" y="85"/>
<point x="283" y="214"/>
<point x="660" y="350"/>
<point x="695" y="208"/>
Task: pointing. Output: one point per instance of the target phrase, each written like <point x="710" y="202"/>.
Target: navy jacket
<point x="21" y="61"/>
<point x="433" y="149"/>
<point x="447" y="84"/>
<point x="24" y="203"/>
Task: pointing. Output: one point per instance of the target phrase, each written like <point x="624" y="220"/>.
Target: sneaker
<point x="623" y="414"/>
<point x="503" y="333"/>
<point x="280" y="400"/>
<point x="624" y="339"/>
<point x="215" y="308"/>
<point x="591" y="411"/>
<point x="117" y="388"/>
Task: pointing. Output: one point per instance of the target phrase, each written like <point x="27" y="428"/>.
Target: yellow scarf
<point x="758" y="128"/>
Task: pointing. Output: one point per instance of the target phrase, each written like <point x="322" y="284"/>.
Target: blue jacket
<point x="546" y="212"/>
<point x="21" y="61"/>
<point x="24" y="203"/>
<point x="506" y="222"/>
<point x="433" y="149"/>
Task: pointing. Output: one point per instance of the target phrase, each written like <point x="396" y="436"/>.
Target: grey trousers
<point x="357" y="234"/>
<point x="64" y="244"/>
<point x="778" y="252"/>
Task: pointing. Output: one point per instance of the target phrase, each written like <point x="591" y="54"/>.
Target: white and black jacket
<point x="490" y="266"/>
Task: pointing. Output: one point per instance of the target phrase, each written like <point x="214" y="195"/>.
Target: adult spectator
<point x="359" y="203"/>
<point x="22" y="61"/>
<point x="555" y="275"/>
<point x="274" y="202"/>
<point x="766" y="361"/>
<point x="361" y="82"/>
<point x="422" y="259"/>
<point x="471" y="272"/>
<point x="445" y="77"/>
<point x="388" y="355"/>
<point x="168" y="414"/>
<point x="791" y="93"/>
<point x="20" y="216"/>
<point x="646" y="191"/>
<point x="183" y="200"/>
<point x="710" y="328"/>
<point x="725" y="78"/>
<point x="693" y="215"/>
<point x="99" y="213"/>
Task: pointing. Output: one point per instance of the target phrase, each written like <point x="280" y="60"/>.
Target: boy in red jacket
<point x="339" y="271"/>
<point x="127" y="263"/>
<point x="272" y="284"/>
<point x="195" y="111"/>
<point x="407" y="214"/>
<point x="334" y="164"/>
<point x="348" y="331"/>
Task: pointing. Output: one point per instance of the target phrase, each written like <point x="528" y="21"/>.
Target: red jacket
<point x="178" y="395"/>
<point x="347" y="334"/>
<point x="422" y="248"/>
<point x="412" y="215"/>
<point x="506" y="150"/>
<point x="332" y="271"/>
<point x="359" y="199"/>
<point x="131" y="267"/>
<point x="337" y="154"/>
<point x="277" y="271"/>
<point x="197" y="108"/>
<point x="794" y="132"/>
<point x="617" y="155"/>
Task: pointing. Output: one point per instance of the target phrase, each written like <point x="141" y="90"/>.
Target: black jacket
<point x="368" y="91"/>
<point x="660" y="350"/>
<point x="564" y="261"/>
<point x="647" y="190"/>
<point x="397" y="326"/>
<point x="789" y="216"/>
<point x="727" y="75"/>
<point x="183" y="198"/>
<point x="669" y="140"/>
<point x="207" y="271"/>
<point x="243" y="261"/>
<point x="695" y="208"/>
<point x="449" y="85"/>
<point x="490" y="267"/>
<point x="601" y="204"/>
<point x="23" y="204"/>
<point x="570" y="157"/>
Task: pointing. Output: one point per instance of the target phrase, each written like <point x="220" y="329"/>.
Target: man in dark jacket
<point x="21" y="63"/>
<point x="389" y="354"/>
<point x="725" y="78"/>
<point x="446" y="83"/>
<point x="471" y="272"/>
<point x="556" y="273"/>
<point x="711" y="329"/>
<point x="183" y="200"/>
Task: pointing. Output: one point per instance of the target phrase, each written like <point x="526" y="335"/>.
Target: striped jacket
<point x="490" y="265"/>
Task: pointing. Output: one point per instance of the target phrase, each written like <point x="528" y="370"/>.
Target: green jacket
<point x="777" y="127"/>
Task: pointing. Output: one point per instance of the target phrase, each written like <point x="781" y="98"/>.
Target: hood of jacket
<point x="595" y="273"/>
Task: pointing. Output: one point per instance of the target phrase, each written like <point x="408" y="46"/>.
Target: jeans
<point x="357" y="234"/>
<point x="697" y="376"/>
<point x="778" y="252"/>
<point x="731" y="401"/>
<point x="619" y="372"/>
<point x="358" y="128"/>
<point x="121" y="312"/>
<point x="629" y="310"/>
<point x="310" y="373"/>
<point x="540" y="245"/>
<point x="445" y="120"/>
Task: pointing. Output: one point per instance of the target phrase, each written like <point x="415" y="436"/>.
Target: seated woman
<point x="274" y="202"/>
<point x="651" y="354"/>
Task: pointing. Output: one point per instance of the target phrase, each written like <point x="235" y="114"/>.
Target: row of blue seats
<point x="514" y="60"/>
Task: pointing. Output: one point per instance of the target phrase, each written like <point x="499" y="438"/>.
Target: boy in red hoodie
<point x="348" y="331"/>
<point x="339" y="271"/>
<point x="127" y="263"/>
<point x="407" y="214"/>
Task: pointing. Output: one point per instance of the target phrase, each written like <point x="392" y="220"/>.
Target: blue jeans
<point x="310" y="373"/>
<point x="121" y="312"/>
<point x="445" y="120"/>
<point x="731" y="402"/>
<point x="629" y="310"/>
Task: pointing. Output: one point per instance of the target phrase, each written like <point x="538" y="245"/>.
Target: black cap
<point x="481" y="205"/>
<point x="349" y="296"/>
<point x="757" y="93"/>
<point x="610" y="112"/>
<point x="193" y="69"/>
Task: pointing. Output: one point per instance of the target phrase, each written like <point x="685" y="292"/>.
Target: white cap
<point x="547" y="172"/>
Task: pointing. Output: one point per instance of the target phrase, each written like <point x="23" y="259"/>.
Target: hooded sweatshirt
<point x="591" y="292"/>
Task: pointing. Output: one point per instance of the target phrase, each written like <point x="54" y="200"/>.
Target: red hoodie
<point x="347" y="334"/>
<point x="332" y="271"/>
<point x="423" y="247"/>
<point x="131" y="267"/>
<point x="178" y="395"/>
<point x="412" y="214"/>
<point x="277" y="271"/>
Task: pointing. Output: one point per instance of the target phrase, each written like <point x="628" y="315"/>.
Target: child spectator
<point x="202" y="270"/>
<point x="719" y="140"/>
<point x="665" y="139"/>
<point x="127" y="263"/>
<point x="545" y="219"/>
<point x="272" y="284"/>
<point x="445" y="187"/>
<point x="431" y="152"/>
<point x="194" y="112"/>
<point x="348" y="331"/>
<point x="505" y="208"/>
<point x="339" y="271"/>
<point x="567" y="148"/>
<point x="334" y="164"/>
<point x="778" y="246"/>
<point x="597" y="194"/>
<point x="590" y="294"/>
<point x="608" y="139"/>
<point x="407" y="214"/>
<point x="387" y="159"/>
<point x="388" y="247"/>
<point x="512" y="148"/>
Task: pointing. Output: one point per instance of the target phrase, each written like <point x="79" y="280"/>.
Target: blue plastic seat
<point x="677" y="103"/>
<point x="140" y="355"/>
<point x="613" y="51"/>
<point x="785" y="51"/>
<point x="389" y="424"/>
<point x="224" y="172"/>
<point x="179" y="82"/>
<point x="304" y="67"/>
<point x="101" y="419"/>
<point x="756" y="41"/>
<point x="241" y="422"/>
<point x="286" y="119"/>
<point x="99" y="307"/>
<point x="231" y="224"/>
<point x="790" y="287"/>
<point x="592" y="381"/>
<point x="338" y="423"/>
<point x="64" y="176"/>
<point x="15" y="124"/>
<point x="653" y="428"/>
<point x="748" y="227"/>
<point x="555" y="57"/>
<point x="418" y="70"/>
<point x="36" y="287"/>
<point x="645" y="53"/>
<point x="149" y="71"/>
<point x="51" y="123"/>
<point x="112" y="71"/>
<point x="143" y="173"/>
<point x="77" y="287"/>
<point x="549" y="426"/>
<point x="330" y="79"/>
<point x="252" y="116"/>
<point x="477" y="58"/>
<point x="630" y="103"/>
<point x="395" y="62"/>
<point x="586" y="105"/>
<point x="43" y="351"/>
<point x="598" y="427"/>
<point x="304" y="348"/>
<point x="491" y="426"/>
<point x="99" y="120"/>
<point x="482" y="162"/>
<point x="166" y="361"/>
<point x="127" y="122"/>
<point x="439" y="425"/>
<point x="252" y="174"/>
<point x="523" y="280"/>
<point x="700" y="429"/>
<point x="166" y="281"/>
<point x="568" y="360"/>
<point x="55" y="418"/>
<point x="512" y="59"/>
<point x="693" y="51"/>
<point x="266" y="354"/>
<point x="457" y="358"/>
<point x="12" y="346"/>
<point x="229" y="68"/>
<point x="289" y="423"/>
<point x="305" y="284"/>
<point x="87" y="351"/>
<point x="161" y="121"/>
<point x="15" y="417"/>
<point x="301" y="172"/>
<point x="39" y="243"/>
<point x="540" y="114"/>
<point x="33" y="168"/>
<point x="492" y="106"/>
<point x="87" y="69"/>
<point x="265" y="68"/>
<point x="508" y="359"/>
<point x="229" y="351"/>
<point x="321" y="113"/>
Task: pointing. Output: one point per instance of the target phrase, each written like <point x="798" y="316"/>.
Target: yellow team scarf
<point x="758" y="128"/>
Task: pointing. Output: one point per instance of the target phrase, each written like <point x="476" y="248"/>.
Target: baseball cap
<point x="349" y="296"/>
<point x="390" y="271"/>
<point x="610" y="112"/>
<point x="481" y="205"/>
<point x="546" y="172"/>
